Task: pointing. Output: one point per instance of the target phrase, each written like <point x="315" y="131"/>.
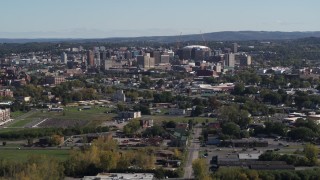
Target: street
<point x="193" y="152"/>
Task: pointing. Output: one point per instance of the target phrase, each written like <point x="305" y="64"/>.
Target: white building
<point x="4" y="114"/>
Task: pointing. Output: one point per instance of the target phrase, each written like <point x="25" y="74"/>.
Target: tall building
<point x="229" y="60"/>
<point x="106" y="64"/>
<point x="165" y="58"/>
<point x="218" y="67"/>
<point x="145" y="61"/>
<point x="235" y="48"/>
<point x="245" y="60"/>
<point x="103" y="55"/>
<point x="90" y="58"/>
<point x="157" y="56"/>
<point x="64" y="58"/>
<point x="97" y="59"/>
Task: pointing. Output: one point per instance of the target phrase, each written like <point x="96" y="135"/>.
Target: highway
<point x="193" y="153"/>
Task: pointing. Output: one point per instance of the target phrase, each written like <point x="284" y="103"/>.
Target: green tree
<point x="231" y="128"/>
<point x="311" y="152"/>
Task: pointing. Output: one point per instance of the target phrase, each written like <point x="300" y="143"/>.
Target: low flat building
<point x="251" y="156"/>
<point x="175" y="111"/>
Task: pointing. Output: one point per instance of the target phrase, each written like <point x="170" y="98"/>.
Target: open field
<point x="93" y="116"/>
<point x="23" y="155"/>
<point x="20" y="123"/>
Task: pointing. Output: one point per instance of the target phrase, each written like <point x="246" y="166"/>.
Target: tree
<point x="213" y="102"/>
<point x="238" y="89"/>
<point x="197" y="111"/>
<point x="311" y="152"/>
<point x="301" y="133"/>
<point x="41" y="167"/>
<point x="200" y="169"/>
<point x="231" y="128"/>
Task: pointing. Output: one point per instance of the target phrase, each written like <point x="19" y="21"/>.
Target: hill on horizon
<point x="214" y="36"/>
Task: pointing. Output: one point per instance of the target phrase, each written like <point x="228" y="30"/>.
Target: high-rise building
<point x="97" y="59"/>
<point x="165" y="58"/>
<point x="218" y="67"/>
<point x="245" y="60"/>
<point x="157" y="56"/>
<point x="128" y="55"/>
<point x="235" y="48"/>
<point x="90" y="58"/>
<point x="229" y="60"/>
<point x="145" y="61"/>
<point x="103" y="55"/>
<point x="64" y="58"/>
<point x="106" y="64"/>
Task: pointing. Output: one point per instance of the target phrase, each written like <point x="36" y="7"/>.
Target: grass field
<point x="21" y="123"/>
<point x="16" y="114"/>
<point x="23" y="155"/>
<point x="94" y="116"/>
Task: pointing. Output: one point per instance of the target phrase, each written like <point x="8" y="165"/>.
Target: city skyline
<point x="125" y="18"/>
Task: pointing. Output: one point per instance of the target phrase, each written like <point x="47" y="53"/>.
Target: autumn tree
<point x="200" y="169"/>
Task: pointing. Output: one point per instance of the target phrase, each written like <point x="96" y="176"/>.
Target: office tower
<point x="151" y="62"/>
<point x="128" y="55"/>
<point x="245" y="60"/>
<point x="145" y="61"/>
<point x="218" y="67"/>
<point x="64" y="58"/>
<point x="165" y="58"/>
<point x="97" y="59"/>
<point x="235" y="48"/>
<point x="157" y="56"/>
<point x="103" y="55"/>
<point x="90" y="58"/>
<point x="106" y="64"/>
<point x="229" y="60"/>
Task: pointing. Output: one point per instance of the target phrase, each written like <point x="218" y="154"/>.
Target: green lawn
<point x="16" y="114"/>
<point x="21" y="123"/>
<point x="97" y="113"/>
<point x="23" y="155"/>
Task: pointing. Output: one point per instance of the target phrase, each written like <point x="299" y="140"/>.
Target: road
<point x="193" y="153"/>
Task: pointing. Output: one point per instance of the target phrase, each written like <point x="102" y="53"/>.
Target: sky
<point x="132" y="18"/>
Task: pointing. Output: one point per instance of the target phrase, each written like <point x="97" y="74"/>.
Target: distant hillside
<point x="215" y="36"/>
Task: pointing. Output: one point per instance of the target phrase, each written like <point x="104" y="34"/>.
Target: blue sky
<point x="115" y="18"/>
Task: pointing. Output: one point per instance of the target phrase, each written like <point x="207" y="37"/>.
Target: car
<point x="254" y="149"/>
<point x="277" y="149"/>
